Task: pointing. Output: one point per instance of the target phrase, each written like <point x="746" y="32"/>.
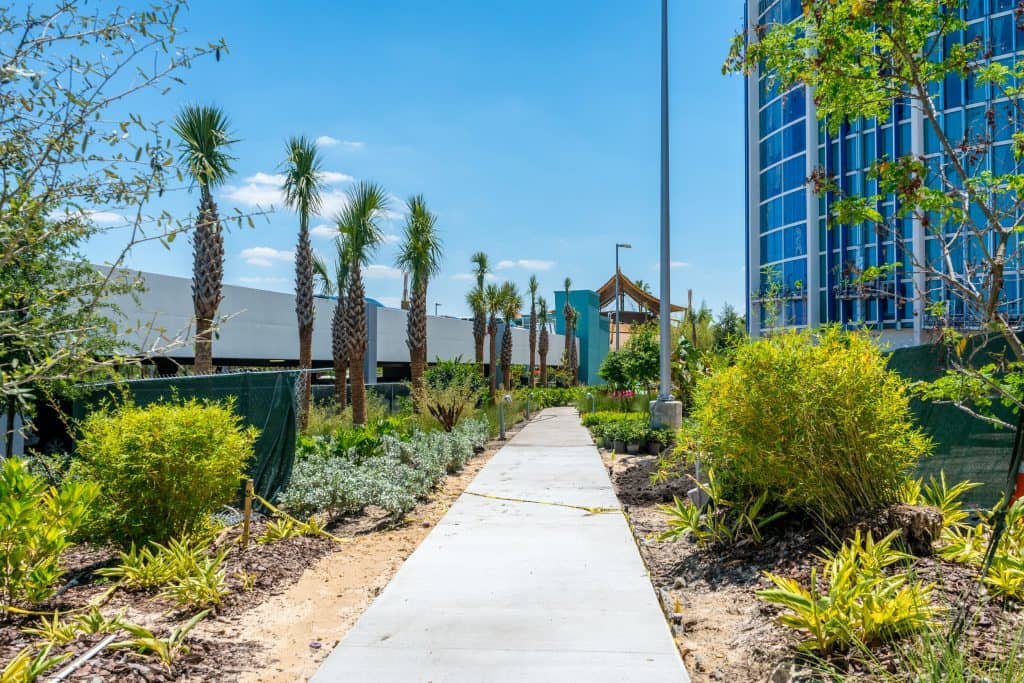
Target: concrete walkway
<point x="505" y="590"/>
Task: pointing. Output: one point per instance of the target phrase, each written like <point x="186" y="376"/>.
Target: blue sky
<point x="531" y="128"/>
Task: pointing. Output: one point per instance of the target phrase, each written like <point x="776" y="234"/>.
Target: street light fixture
<point x="436" y="305"/>
<point x="618" y="295"/>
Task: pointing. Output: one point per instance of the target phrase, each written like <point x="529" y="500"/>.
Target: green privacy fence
<point x="965" y="448"/>
<point x="265" y="400"/>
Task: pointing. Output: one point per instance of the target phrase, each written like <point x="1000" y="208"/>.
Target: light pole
<point x="618" y="294"/>
<point x="436" y="305"/>
<point x="665" y="412"/>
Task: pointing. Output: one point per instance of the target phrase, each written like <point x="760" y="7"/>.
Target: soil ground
<point x="724" y="632"/>
<point x="307" y="593"/>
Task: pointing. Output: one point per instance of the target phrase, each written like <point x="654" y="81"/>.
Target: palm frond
<point x="303" y="180"/>
<point x="568" y="284"/>
<point x="360" y="220"/>
<point x="492" y="299"/>
<point x="542" y="310"/>
<point x="204" y="137"/>
<point x="420" y="253"/>
<point x="533" y="287"/>
<point x="323" y="280"/>
<point x="511" y="301"/>
<point x="481" y="267"/>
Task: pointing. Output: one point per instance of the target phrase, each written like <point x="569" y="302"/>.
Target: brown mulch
<point x="275" y="566"/>
<point x="724" y="632"/>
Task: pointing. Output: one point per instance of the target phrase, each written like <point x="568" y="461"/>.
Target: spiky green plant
<point x="359" y="222"/>
<point x="420" y="256"/>
<point x="204" y="139"/>
<point x="302" y="186"/>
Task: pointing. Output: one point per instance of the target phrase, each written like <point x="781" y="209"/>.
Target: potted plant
<point x="618" y="437"/>
<point x="598" y="431"/>
<point x="658" y="440"/>
<point x="634" y="435"/>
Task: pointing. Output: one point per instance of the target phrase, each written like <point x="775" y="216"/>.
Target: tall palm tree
<point x="334" y="282"/>
<point x="302" y="186"/>
<point x="420" y="256"/>
<point x="204" y="139"/>
<point x="492" y="306"/>
<point x="480" y="269"/>
<point x="574" y="354"/>
<point x="569" y="313"/>
<point x="511" y="307"/>
<point x="534" y="285"/>
<point x="359" y="222"/>
<point x="542" y="343"/>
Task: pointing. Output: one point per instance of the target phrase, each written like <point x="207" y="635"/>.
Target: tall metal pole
<point x="618" y="311"/>
<point x="665" y="391"/>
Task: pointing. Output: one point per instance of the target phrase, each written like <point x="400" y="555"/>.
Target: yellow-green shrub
<point x="967" y="544"/>
<point x="816" y="420"/>
<point x="862" y="604"/>
<point x="37" y="522"/>
<point x="163" y="468"/>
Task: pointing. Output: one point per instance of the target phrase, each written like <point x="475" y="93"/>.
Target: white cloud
<point x="463" y="276"/>
<point x="526" y="264"/>
<point x="266" y="257"/>
<point x="377" y="271"/>
<point x="264" y="189"/>
<point x="324" y="230"/>
<point x="678" y="264"/>
<point x="328" y="141"/>
<point x="102" y="218"/>
<point x="335" y="177"/>
<point x="389" y="301"/>
<point x="391" y="239"/>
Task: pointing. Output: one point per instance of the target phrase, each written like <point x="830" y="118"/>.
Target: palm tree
<point x="534" y="285"/>
<point x="569" y="313"/>
<point x="302" y="185"/>
<point x="574" y="354"/>
<point x="542" y="343"/>
<point x="420" y="256"/>
<point x="492" y="305"/>
<point x="511" y="306"/>
<point x="204" y="141"/>
<point x="359" y="222"/>
<point x="334" y="282"/>
<point x="480" y="269"/>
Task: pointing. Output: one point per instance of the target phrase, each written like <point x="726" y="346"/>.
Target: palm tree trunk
<point x="339" y="352"/>
<point x="543" y="344"/>
<point x="416" y="337"/>
<point x="492" y="328"/>
<point x="506" y="357"/>
<point x="356" y="333"/>
<point x="305" y="378"/>
<point x="304" y="313"/>
<point x="479" y="333"/>
<point x="533" y="339"/>
<point x="207" y="279"/>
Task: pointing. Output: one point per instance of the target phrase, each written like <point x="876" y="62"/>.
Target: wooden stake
<point x="247" y="514"/>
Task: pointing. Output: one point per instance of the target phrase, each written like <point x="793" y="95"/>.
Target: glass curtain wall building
<point x="798" y="270"/>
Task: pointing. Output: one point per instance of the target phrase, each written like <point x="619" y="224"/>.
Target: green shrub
<point x="813" y="419"/>
<point x="400" y="474"/>
<point x="450" y="392"/>
<point x="162" y="469"/>
<point x="36" y="524"/>
<point x="862" y="604"/>
<point x="549" y="397"/>
<point x="967" y="544"/>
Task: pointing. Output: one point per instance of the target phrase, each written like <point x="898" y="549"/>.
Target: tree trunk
<point x="305" y="378"/>
<point x="416" y="338"/>
<point x="355" y="368"/>
<point x="207" y="279"/>
<point x="493" y="366"/>
<point x="533" y="341"/>
<point x="356" y="333"/>
<point x="340" y="383"/>
<point x="479" y="334"/>
<point x="339" y="351"/>
<point x="203" y="364"/>
<point x="506" y="357"/>
<point x="543" y="350"/>
<point x="9" y="430"/>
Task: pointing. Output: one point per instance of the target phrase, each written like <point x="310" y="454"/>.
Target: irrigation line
<point x="597" y="510"/>
<point x="83" y="658"/>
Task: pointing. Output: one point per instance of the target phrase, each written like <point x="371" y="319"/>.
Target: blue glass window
<point x="975" y="92"/>
<point x="771" y="182"/>
<point x="795" y="173"/>
<point x="953" y="125"/>
<point x="794" y="241"/>
<point x="886" y="149"/>
<point x="1002" y="159"/>
<point x="771" y="247"/>
<point x="797" y="315"/>
<point x="1001" y="34"/>
<point x="903" y="141"/>
<point x="975" y="122"/>
<point x="954" y="91"/>
<point x="931" y="139"/>
<point x="975" y="9"/>
<point x="768" y="88"/>
<point x="1002" y="5"/>
<point x="771" y="118"/>
<point x="771" y="215"/>
<point x="794" y="274"/>
<point x="795" y="206"/>
<point x="771" y="150"/>
<point x="794" y="104"/>
<point x="975" y="33"/>
<point x="791" y="9"/>
<point x="794" y="139"/>
<point x="868" y="146"/>
<point x="851" y="150"/>
<point x="1003" y="118"/>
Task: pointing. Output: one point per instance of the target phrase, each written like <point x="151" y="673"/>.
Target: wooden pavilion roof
<point x="606" y="293"/>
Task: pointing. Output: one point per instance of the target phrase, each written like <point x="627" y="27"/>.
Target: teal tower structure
<point x="592" y="330"/>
